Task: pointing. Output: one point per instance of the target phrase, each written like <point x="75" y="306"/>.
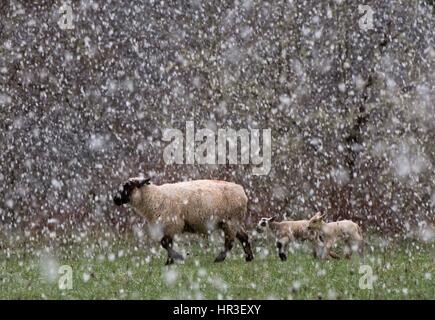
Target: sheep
<point x="197" y="206"/>
<point x="330" y="233"/>
<point x="286" y="232"/>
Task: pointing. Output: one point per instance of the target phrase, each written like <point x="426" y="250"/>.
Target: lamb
<point x="198" y="206"/>
<point x="286" y="232"/>
<point x="330" y="233"/>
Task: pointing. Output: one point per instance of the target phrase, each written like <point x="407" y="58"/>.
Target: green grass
<point x="128" y="271"/>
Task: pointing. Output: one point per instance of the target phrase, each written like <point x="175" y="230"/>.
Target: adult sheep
<point x="198" y="206"/>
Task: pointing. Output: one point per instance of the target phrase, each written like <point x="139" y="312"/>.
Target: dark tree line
<point x="351" y="110"/>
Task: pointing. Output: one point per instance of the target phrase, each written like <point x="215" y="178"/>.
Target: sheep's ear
<point x="272" y="219"/>
<point x="144" y="181"/>
<point x="140" y="182"/>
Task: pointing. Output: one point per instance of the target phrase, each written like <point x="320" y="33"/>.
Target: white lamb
<point x="286" y="232"/>
<point x="330" y="233"/>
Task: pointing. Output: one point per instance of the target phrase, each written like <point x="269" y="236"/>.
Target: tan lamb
<point x="286" y="232"/>
<point x="198" y="206"/>
<point x="328" y="234"/>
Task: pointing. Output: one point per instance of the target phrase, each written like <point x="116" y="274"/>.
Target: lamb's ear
<point x="317" y="216"/>
<point x="272" y="219"/>
<point x="313" y="217"/>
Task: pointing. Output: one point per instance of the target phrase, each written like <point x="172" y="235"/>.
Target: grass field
<point x="402" y="270"/>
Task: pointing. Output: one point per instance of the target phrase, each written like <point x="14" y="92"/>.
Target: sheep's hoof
<point x="169" y="261"/>
<point x="249" y="258"/>
<point x="221" y="257"/>
<point x="283" y="257"/>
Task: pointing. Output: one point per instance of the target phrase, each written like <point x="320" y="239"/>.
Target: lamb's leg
<point x="330" y="253"/>
<point x="325" y="251"/>
<point x="356" y="245"/>
<point x="334" y="255"/>
<point x="317" y="250"/>
<point x="172" y="254"/>
<point x="348" y="249"/>
<point x="361" y="248"/>
<point x="318" y="245"/>
<point x="281" y="244"/>
<point x="229" y="242"/>
<point x="244" y="240"/>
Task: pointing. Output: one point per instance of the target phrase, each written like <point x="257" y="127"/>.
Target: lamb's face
<point x="262" y="224"/>
<point x="315" y="222"/>
<point x="124" y="193"/>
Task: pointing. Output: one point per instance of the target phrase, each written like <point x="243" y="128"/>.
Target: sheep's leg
<point x="244" y="240"/>
<point x="172" y="254"/>
<point x="229" y="242"/>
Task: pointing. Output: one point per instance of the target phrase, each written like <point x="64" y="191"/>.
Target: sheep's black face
<point x="118" y="200"/>
<point x="124" y="193"/>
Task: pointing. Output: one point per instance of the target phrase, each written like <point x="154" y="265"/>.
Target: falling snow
<point x="351" y="112"/>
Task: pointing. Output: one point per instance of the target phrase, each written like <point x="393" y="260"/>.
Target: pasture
<point x="126" y="269"/>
